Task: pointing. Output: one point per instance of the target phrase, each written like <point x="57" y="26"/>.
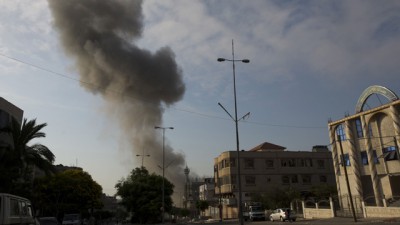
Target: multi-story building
<point x="8" y="111"/>
<point x="267" y="167"/>
<point x="207" y="190"/>
<point x="365" y="147"/>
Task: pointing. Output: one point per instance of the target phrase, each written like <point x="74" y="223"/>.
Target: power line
<point x="65" y="76"/>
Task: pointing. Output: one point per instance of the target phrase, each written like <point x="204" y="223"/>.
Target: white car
<point x="283" y="214"/>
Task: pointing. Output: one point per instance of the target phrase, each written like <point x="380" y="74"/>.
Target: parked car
<point x="283" y="214"/>
<point x="72" y="219"/>
<point x="48" y="221"/>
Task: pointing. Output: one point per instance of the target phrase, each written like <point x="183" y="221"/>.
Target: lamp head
<point x="221" y="59"/>
<point x="245" y="60"/>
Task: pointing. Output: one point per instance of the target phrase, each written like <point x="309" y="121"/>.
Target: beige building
<point x="267" y="167"/>
<point x="367" y="142"/>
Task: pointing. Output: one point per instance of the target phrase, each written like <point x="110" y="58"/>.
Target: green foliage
<point x="19" y="160"/>
<point x="323" y="191"/>
<point x="277" y="198"/>
<point x="70" y="191"/>
<point x="202" y="205"/>
<point x="141" y="194"/>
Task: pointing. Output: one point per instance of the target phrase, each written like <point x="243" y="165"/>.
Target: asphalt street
<point x="331" y="221"/>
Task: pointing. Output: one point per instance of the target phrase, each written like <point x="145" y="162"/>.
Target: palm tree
<point x="31" y="156"/>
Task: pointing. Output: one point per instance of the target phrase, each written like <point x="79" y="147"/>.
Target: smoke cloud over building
<point x="135" y="83"/>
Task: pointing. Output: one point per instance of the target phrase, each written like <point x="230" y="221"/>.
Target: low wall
<point x="310" y="213"/>
<point x="383" y="212"/>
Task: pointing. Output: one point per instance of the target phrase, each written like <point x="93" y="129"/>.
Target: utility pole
<point x="347" y="179"/>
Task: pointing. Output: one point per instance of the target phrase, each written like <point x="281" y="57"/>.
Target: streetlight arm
<point x="226" y="111"/>
<point x="233" y="60"/>
<point x="247" y="115"/>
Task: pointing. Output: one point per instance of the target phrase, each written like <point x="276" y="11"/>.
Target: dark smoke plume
<point x="99" y="35"/>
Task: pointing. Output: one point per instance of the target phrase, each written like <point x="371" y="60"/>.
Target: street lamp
<point x="236" y="120"/>
<point x="143" y="155"/>
<point x="163" y="169"/>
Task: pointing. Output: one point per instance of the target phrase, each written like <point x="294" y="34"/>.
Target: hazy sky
<point x="309" y="62"/>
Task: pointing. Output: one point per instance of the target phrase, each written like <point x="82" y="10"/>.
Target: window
<point x="293" y="179"/>
<point x="285" y="179"/>
<point x="269" y="163"/>
<point x="346" y="159"/>
<point x="14" y="207"/>
<point x="321" y="163"/>
<point x="376" y="160"/>
<point x="306" y="179"/>
<point x="340" y="132"/>
<point x="288" y="162"/>
<point x="305" y="162"/>
<point x="248" y="163"/>
<point x="323" y="179"/>
<point x="364" y="157"/>
<point x="390" y="153"/>
<point x="232" y="162"/>
<point x="250" y="180"/>
<point x="359" y="128"/>
<point x="389" y="149"/>
<point x="370" y="130"/>
<point x="24" y="209"/>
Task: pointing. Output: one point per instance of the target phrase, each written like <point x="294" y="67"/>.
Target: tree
<point x="202" y="205"/>
<point x="20" y="159"/>
<point x="70" y="191"/>
<point x="141" y="194"/>
<point x="278" y="198"/>
<point x="323" y="191"/>
<point x="37" y="155"/>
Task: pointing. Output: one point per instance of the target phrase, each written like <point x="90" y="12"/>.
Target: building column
<point x="371" y="163"/>
<point x="335" y="157"/>
<point x="353" y="155"/>
<point x="396" y="123"/>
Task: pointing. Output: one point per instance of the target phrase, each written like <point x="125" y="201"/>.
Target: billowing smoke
<point x="135" y="83"/>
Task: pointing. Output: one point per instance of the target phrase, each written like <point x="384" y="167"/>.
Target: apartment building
<point x="8" y="111"/>
<point x="366" y="145"/>
<point x="267" y="167"/>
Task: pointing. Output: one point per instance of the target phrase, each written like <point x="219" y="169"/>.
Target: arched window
<point x="340" y="132"/>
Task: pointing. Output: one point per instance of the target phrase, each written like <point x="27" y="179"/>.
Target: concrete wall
<point x="382" y="212"/>
<point x="310" y="213"/>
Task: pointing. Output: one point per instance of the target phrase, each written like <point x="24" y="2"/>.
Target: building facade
<point x="8" y="111"/>
<point x="267" y="167"/>
<point x="365" y="147"/>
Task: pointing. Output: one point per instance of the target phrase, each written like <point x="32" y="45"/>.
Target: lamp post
<point x="233" y="60"/>
<point x="163" y="169"/>
<point x="143" y="155"/>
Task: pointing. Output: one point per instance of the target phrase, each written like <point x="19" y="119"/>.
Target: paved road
<point x="300" y="221"/>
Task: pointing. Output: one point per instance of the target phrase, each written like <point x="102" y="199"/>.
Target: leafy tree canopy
<point x="70" y="191"/>
<point x="202" y="205"/>
<point x="277" y="198"/>
<point x="141" y="194"/>
<point x="19" y="160"/>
